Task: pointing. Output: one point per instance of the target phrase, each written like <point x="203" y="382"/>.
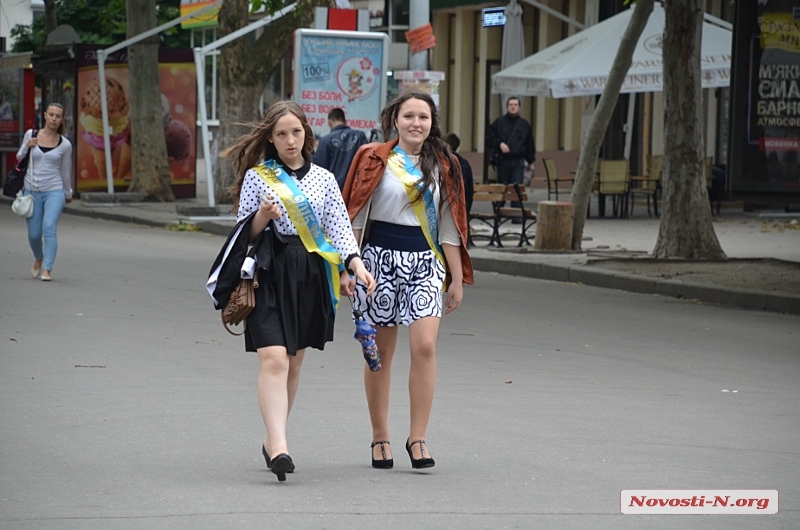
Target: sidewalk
<point x="762" y="272"/>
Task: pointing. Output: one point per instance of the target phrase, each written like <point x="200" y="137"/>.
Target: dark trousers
<point x="511" y="170"/>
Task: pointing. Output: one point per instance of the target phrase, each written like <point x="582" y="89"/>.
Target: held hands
<point x="455" y="293"/>
<point x="347" y="284"/>
<point x="269" y="209"/>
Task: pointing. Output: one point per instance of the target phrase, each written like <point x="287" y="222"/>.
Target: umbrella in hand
<point x="365" y="334"/>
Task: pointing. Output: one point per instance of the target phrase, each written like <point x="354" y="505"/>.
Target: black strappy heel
<point x="385" y="463"/>
<point x="423" y="462"/>
<point x="269" y="462"/>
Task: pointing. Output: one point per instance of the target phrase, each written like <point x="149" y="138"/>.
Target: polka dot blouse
<point x="322" y="192"/>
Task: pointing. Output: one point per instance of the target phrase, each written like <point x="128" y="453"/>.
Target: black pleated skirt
<point x="293" y="302"/>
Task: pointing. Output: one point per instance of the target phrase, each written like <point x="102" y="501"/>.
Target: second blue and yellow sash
<point x="411" y="177"/>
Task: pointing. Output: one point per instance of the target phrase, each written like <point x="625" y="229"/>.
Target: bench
<point x="497" y="195"/>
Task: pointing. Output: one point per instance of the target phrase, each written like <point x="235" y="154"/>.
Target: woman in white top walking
<point x="49" y="181"/>
<point x="408" y="195"/>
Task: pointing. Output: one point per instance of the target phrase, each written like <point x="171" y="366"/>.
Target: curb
<point x="582" y="274"/>
<point x="746" y="298"/>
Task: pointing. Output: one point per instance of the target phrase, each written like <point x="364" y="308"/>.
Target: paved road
<point x="124" y="404"/>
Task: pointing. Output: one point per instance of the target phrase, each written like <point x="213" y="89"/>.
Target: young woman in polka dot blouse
<point x="294" y="307"/>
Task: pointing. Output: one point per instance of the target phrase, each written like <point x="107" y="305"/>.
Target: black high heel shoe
<point x="269" y="462"/>
<point x="419" y="463"/>
<point x="384" y="463"/>
<point x="281" y="465"/>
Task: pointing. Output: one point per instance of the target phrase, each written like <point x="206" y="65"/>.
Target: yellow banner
<point x="207" y="18"/>
<point x="778" y="30"/>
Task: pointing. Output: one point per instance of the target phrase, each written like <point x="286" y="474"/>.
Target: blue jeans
<point x="47" y="208"/>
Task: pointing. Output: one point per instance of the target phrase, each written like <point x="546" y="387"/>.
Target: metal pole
<point x="419" y="14"/>
<point x="199" y="58"/>
<point x="101" y="64"/>
<point x="629" y="126"/>
<point x="222" y="41"/>
<point x="199" y="61"/>
<point x="155" y="31"/>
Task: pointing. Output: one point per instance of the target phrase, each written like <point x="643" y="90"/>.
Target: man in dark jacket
<point x="335" y="151"/>
<point x="513" y="137"/>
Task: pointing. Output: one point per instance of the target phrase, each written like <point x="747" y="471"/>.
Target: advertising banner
<point x="10" y="108"/>
<point x="344" y="69"/>
<point x="178" y="85"/>
<point x="766" y="114"/>
<point x="205" y="19"/>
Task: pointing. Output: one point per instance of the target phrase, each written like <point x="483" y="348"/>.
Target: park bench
<point x="502" y="216"/>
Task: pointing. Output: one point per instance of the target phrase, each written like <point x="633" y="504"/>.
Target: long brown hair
<point x="254" y="147"/>
<point x="434" y="150"/>
<point x="61" y="127"/>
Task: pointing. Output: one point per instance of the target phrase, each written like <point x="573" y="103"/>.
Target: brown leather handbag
<point x="241" y="304"/>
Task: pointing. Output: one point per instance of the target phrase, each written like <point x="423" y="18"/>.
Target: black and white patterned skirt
<point x="409" y="276"/>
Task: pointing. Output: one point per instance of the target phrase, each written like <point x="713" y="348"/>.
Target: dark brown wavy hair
<point x="434" y="149"/>
<point x="254" y="147"/>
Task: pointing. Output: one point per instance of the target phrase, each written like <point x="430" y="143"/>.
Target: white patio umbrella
<point x="579" y="65"/>
<point x="513" y="50"/>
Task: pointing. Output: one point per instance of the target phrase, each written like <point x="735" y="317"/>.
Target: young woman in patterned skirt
<point x="406" y="196"/>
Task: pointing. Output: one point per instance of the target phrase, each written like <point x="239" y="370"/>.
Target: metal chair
<point x="650" y="184"/>
<point x="615" y="181"/>
<point x="553" y="179"/>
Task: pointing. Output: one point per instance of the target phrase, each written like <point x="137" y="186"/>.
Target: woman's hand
<point x="455" y="293"/>
<point x="347" y="284"/>
<point x="269" y="209"/>
<point x="33" y="141"/>
<point x="68" y="200"/>
<point x="361" y="272"/>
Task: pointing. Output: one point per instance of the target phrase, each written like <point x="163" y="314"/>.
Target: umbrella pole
<point x="629" y="126"/>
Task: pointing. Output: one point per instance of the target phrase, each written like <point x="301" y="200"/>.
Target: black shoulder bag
<point x="15" y="179"/>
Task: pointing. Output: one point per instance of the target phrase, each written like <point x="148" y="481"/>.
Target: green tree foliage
<point x="99" y="22"/>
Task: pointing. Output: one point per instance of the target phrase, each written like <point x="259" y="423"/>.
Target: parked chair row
<point x="649" y="185"/>
<point x="613" y="179"/>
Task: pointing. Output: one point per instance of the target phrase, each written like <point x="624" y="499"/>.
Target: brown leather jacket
<point x="365" y="173"/>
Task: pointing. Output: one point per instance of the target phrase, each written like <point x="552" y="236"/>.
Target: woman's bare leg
<point x="422" y="377"/>
<point x="377" y="386"/>
<point x="278" y="378"/>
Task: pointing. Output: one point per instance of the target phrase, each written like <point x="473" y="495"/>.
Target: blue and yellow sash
<point x="411" y="177"/>
<point x="305" y="220"/>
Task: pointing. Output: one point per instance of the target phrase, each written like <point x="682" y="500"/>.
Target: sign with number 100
<point x="344" y="69"/>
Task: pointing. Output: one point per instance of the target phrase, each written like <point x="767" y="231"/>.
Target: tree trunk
<point x="149" y="165"/>
<point x="590" y="146"/>
<point x="245" y="65"/>
<point x="686" y="230"/>
<point x="50" y="17"/>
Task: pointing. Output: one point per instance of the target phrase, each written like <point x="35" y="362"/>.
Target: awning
<point x="579" y="65"/>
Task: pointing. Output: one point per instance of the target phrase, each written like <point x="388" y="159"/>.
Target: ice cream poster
<point x="178" y="109"/>
<point x="341" y="69"/>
